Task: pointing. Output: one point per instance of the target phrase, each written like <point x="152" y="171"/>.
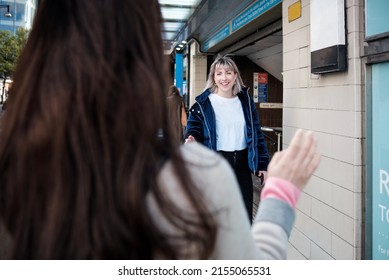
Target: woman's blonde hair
<point x="226" y="62"/>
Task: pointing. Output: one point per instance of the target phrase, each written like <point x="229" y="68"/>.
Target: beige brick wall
<point x="198" y="72"/>
<point x="329" y="213"/>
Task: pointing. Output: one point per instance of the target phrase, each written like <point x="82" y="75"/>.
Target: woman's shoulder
<point x="201" y="98"/>
<point x="210" y="172"/>
<point x="204" y="163"/>
<point x="208" y="168"/>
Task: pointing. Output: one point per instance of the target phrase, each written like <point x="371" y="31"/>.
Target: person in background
<point x="176" y="112"/>
<point x="224" y="118"/>
<point x="89" y="165"/>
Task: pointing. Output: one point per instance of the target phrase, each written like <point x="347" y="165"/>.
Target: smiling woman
<point x="225" y="119"/>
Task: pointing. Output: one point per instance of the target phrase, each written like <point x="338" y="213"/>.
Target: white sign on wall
<point x="328" y="36"/>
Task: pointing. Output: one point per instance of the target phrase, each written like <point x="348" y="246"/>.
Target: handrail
<point x="272" y="140"/>
<point x="277" y="131"/>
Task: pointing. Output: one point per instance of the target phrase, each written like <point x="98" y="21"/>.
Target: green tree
<point x="10" y="48"/>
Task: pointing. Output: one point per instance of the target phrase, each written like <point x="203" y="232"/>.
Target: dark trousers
<point x="239" y="163"/>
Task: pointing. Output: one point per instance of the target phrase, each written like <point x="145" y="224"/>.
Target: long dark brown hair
<point x="85" y="136"/>
<point x="173" y="91"/>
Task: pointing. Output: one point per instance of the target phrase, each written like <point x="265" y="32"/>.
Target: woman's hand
<point x="190" y="139"/>
<point x="262" y="176"/>
<point x="297" y="163"/>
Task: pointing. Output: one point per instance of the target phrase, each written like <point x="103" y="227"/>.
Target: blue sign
<point x="380" y="161"/>
<point x="262" y="93"/>
<point x="252" y="12"/>
<point x="178" y="75"/>
<point x="220" y="35"/>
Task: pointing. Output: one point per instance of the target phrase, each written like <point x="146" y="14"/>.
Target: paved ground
<point x="257" y="192"/>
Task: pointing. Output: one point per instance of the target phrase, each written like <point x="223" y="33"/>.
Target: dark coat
<point x="202" y="126"/>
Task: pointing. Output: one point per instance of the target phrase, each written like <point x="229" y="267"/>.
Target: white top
<point x="230" y="123"/>
<point x="268" y="236"/>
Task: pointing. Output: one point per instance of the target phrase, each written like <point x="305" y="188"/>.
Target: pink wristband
<point x="281" y="189"/>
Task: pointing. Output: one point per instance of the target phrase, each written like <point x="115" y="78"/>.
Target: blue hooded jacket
<point x="202" y="126"/>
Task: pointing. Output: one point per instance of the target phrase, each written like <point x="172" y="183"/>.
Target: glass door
<point x="380" y="161"/>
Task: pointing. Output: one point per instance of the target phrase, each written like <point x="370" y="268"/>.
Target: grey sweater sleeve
<point x="276" y="211"/>
<point x="267" y="238"/>
<point x="272" y="227"/>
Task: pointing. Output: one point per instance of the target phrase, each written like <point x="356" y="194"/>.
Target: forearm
<point x="271" y="228"/>
<point x="275" y="218"/>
